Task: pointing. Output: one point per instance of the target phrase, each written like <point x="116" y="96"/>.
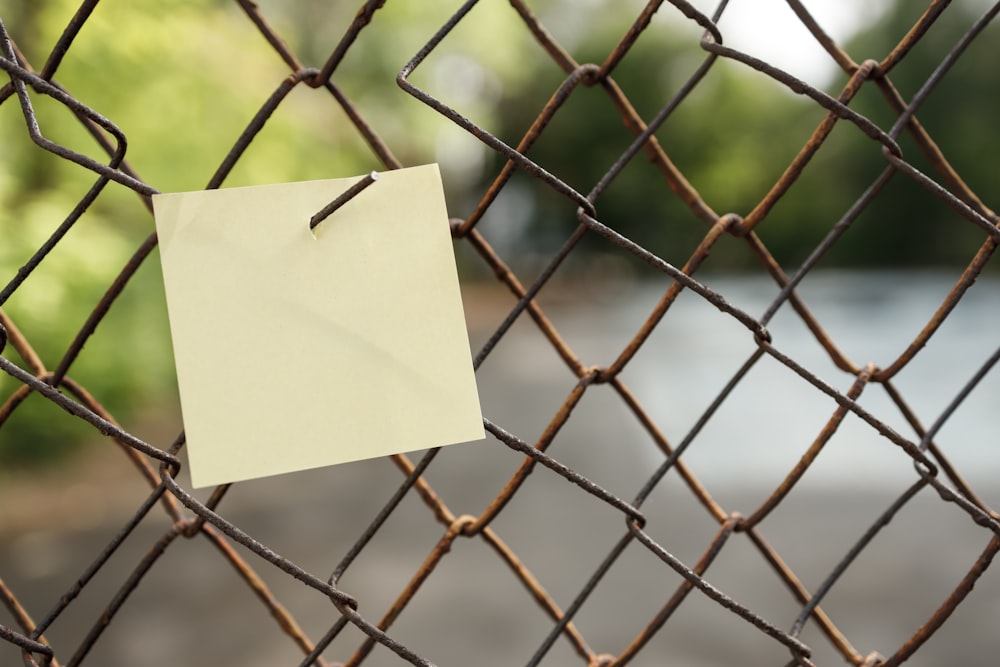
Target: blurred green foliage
<point x="738" y="130"/>
<point x="182" y="78"/>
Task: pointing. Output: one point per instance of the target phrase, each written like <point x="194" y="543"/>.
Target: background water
<point x="192" y="609"/>
<point x="773" y="415"/>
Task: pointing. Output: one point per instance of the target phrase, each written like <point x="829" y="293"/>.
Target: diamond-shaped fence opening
<point x="728" y="284"/>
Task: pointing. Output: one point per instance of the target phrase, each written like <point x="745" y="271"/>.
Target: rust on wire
<point x="355" y="631"/>
<point x="348" y="194"/>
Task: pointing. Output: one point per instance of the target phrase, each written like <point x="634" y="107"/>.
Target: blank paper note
<point x="299" y="348"/>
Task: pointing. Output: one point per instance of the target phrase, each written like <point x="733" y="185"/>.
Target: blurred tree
<point x="731" y="137"/>
<point x="182" y="78"/>
<point x="737" y="131"/>
<point x="907" y="225"/>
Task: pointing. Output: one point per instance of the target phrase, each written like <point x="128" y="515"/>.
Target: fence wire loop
<point x="348" y="194"/>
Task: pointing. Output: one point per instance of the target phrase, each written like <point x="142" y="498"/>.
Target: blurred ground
<point x="192" y="609"/>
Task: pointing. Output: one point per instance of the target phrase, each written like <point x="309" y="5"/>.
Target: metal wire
<point x="193" y="519"/>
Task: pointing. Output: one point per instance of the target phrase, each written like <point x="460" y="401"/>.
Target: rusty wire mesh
<point x="255" y="560"/>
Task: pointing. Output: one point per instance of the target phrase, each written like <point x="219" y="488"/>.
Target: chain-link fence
<point x="522" y="594"/>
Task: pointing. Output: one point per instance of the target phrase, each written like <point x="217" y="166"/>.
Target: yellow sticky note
<point x="295" y="350"/>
